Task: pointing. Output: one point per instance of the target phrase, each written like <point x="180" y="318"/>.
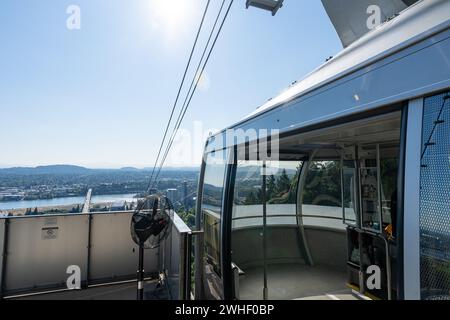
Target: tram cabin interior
<point x="310" y="225"/>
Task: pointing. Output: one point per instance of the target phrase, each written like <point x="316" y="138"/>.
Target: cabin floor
<point x="296" y="282"/>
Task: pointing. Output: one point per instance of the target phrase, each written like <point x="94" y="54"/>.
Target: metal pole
<point x="359" y="218"/>
<point x="380" y="200"/>
<point x="386" y="242"/>
<point x="140" y="275"/>
<point x="388" y="268"/>
<point x="266" y="290"/>
<point x="342" y="187"/>
<point x="301" y="185"/>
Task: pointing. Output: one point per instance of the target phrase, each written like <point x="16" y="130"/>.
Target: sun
<point x="171" y="15"/>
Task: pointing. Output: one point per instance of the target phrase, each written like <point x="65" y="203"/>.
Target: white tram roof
<point x="412" y="25"/>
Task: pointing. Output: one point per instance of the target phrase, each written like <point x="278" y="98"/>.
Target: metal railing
<point x="175" y="260"/>
<point x="36" y="251"/>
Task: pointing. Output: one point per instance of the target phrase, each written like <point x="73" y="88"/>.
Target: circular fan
<point x="151" y="221"/>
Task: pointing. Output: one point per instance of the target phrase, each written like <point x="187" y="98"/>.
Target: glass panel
<point x="349" y="195"/>
<point x="322" y="197"/>
<point x="212" y="201"/>
<point x="435" y="200"/>
<point x="282" y="181"/>
<point x="249" y="254"/>
<point x="370" y="201"/>
<point x="323" y="235"/>
<point x="282" y="237"/>
<point x="247" y="230"/>
<point x="389" y="156"/>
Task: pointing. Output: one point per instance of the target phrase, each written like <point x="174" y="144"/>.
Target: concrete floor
<point x="121" y="291"/>
<point x="285" y="282"/>
<point x="294" y="282"/>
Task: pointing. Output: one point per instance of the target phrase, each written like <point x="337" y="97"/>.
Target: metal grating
<point x="435" y="199"/>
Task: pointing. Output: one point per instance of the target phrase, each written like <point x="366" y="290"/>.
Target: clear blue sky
<point x="100" y="96"/>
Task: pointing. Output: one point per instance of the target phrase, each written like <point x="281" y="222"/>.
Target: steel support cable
<point x="192" y="93"/>
<point x="179" y="91"/>
<point x="197" y="75"/>
<point x="197" y="78"/>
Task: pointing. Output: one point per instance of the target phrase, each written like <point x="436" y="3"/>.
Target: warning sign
<point x="49" y="233"/>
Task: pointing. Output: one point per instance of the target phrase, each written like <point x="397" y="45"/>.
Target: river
<point x="10" y="205"/>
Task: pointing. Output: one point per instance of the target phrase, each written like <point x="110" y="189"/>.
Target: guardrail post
<point x="89" y="245"/>
<point x="140" y="274"/>
<point x="182" y="267"/>
<point x="4" y="258"/>
<point x="188" y="266"/>
<point x="198" y="272"/>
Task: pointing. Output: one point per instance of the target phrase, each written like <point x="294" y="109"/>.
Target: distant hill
<point x="129" y="169"/>
<point x="53" y="169"/>
<point x="77" y="170"/>
<point x="184" y="169"/>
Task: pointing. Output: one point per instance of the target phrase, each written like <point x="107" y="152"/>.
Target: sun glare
<point x="171" y="15"/>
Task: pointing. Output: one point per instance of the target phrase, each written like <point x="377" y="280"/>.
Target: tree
<point x="294" y="185"/>
<point x="188" y="216"/>
<point x="322" y="185"/>
<point x="271" y="186"/>
<point x="259" y="196"/>
<point x="283" y="183"/>
<point x="251" y="199"/>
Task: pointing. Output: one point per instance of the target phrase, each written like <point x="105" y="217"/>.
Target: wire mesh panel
<point x="435" y="199"/>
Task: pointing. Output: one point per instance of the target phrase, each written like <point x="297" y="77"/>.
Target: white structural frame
<point x="411" y="244"/>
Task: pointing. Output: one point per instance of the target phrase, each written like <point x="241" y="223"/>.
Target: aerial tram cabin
<point x="351" y="196"/>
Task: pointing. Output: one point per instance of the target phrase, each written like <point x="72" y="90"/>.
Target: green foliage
<point x="283" y="183"/>
<point x="76" y="209"/>
<point x="251" y="199"/>
<point x="188" y="216"/>
<point x="389" y="169"/>
<point x="271" y="186"/>
<point x="280" y="189"/>
<point x="323" y="185"/>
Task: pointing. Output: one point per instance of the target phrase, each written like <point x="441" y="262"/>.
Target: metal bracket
<point x="269" y="5"/>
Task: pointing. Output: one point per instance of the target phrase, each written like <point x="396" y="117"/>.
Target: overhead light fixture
<point x="269" y="5"/>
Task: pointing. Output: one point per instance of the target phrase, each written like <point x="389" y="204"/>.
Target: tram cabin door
<point x="369" y="177"/>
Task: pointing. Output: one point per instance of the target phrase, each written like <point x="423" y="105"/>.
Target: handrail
<point x="69" y="214"/>
<point x="290" y="216"/>
<point x="181" y="271"/>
